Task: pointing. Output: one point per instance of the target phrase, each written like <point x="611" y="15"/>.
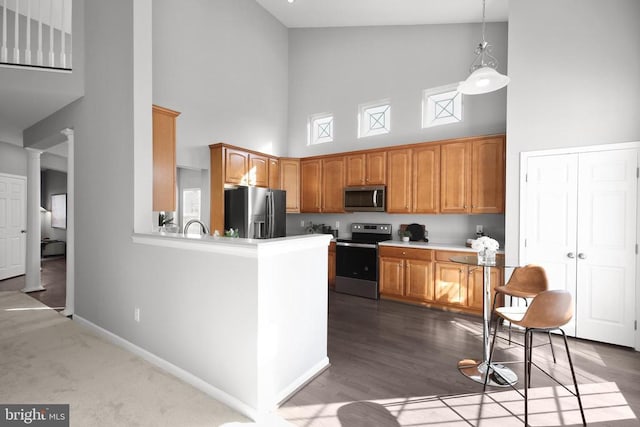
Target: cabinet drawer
<point x="446" y="255"/>
<point x="406" y="253"/>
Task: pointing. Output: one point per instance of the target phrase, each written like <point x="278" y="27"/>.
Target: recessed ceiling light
<point x="291" y="1"/>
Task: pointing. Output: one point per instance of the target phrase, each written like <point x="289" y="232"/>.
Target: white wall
<point x="574" y="68"/>
<point x="13" y="159"/>
<point x="336" y="69"/>
<point x="223" y="65"/>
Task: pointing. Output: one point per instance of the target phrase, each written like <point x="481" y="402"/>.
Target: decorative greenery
<point x="231" y="233"/>
<point x="404" y="233"/>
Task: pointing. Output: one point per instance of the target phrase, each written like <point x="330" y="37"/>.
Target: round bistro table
<point x="474" y="369"/>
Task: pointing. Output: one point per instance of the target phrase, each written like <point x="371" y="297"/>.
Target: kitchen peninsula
<point x="251" y="320"/>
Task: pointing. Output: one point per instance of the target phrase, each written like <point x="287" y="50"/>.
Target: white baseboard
<point x="303" y="380"/>
<point x="174" y="370"/>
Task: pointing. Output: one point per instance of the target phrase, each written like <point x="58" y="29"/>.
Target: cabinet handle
<point x="582" y="256"/>
<point x="404" y="253"/>
<point x="571" y="255"/>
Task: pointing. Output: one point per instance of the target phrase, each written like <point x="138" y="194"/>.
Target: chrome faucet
<point x="204" y="228"/>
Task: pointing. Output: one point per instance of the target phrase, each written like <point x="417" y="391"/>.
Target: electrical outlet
<point x="302" y="223"/>
<point x="479" y="229"/>
<point x="337" y="225"/>
<point x="136" y="314"/>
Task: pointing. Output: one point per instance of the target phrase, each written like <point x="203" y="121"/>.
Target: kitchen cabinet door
<point x="455" y="177"/>
<point x="274" y="173"/>
<point x="376" y="167"/>
<point x="487" y="175"/>
<point x="164" y="158"/>
<point x="419" y="279"/>
<point x="236" y="166"/>
<point x="258" y="170"/>
<point x="451" y="283"/>
<point x="399" y="181"/>
<point x="426" y="179"/>
<point x="475" y="285"/>
<point x="332" y="197"/>
<point x="311" y="183"/>
<point x="355" y="169"/>
<point x="391" y="276"/>
<point x="290" y="182"/>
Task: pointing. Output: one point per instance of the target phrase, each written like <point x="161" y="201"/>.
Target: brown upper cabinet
<point x="236" y="166"/>
<point x="366" y="168"/>
<point x="322" y="182"/>
<point x="274" y="173"/>
<point x="472" y="176"/>
<point x="426" y="179"/>
<point x="311" y="185"/>
<point x="164" y="158"/>
<point x="333" y="184"/>
<point x="258" y="170"/>
<point x="290" y="182"/>
<point x="399" y="182"/>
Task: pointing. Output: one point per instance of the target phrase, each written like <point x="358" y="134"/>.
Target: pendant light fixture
<point x="483" y="78"/>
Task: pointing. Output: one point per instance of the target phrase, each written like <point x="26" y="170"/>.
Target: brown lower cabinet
<point x="406" y="273"/>
<point x="332" y="265"/>
<point x="428" y="277"/>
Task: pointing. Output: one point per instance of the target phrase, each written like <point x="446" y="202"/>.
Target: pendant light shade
<point x="483" y="78"/>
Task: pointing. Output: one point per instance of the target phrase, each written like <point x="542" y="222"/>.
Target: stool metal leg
<point x="493" y="345"/>
<point x="527" y="375"/>
<point x="553" y="353"/>
<point x="573" y="375"/>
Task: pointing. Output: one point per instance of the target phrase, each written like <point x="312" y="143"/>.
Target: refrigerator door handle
<point x="268" y="216"/>
<point x="272" y="216"/>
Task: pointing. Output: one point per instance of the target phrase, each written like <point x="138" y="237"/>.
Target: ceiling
<point x="349" y="13"/>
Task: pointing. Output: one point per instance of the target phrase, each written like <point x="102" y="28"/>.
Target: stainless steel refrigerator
<point x="256" y="212"/>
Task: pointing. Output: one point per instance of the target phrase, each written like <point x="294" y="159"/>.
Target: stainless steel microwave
<point x="365" y="199"/>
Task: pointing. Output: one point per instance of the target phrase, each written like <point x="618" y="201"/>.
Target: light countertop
<point x="430" y="245"/>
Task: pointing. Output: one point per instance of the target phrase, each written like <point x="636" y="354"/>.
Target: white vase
<point x="405" y="238"/>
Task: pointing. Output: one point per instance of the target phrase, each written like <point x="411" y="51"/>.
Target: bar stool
<point x="525" y="282"/>
<point x="548" y="311"/>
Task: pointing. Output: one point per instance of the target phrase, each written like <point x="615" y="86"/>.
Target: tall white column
<point x="70" y="301"/>
<point x="32" y="282"/>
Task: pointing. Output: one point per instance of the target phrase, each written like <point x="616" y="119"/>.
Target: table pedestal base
<point x="476" y="371"/>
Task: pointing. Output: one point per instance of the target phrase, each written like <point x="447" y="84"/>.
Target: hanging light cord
<point x="483" y="51"/>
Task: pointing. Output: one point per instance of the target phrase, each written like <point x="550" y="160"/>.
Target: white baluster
<point x="27" y="51"/>
<point x="52" y="56"/>
<point x="63" y="54"/>
<point x="16" y="38"/>
<point x="39" y="51"/>
<point x="3" y="49"/>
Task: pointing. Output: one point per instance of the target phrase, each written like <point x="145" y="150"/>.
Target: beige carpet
<point x="47" y="358"/>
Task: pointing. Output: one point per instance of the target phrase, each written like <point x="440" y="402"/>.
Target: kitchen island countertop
<point x="429" y="245"/>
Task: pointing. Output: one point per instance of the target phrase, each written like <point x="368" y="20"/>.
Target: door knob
<point x="23" y="231"/>
<point x="582" y="256"/>
<point x="571" y="255"/>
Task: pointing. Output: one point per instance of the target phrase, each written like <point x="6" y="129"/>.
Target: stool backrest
<point x="549" y="309"/>
<point x="531" y="279"/>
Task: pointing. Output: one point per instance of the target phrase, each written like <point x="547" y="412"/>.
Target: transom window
<point x="441" y="105"/>
<point x="374" y="118"/>
<point x="320" y="128"/>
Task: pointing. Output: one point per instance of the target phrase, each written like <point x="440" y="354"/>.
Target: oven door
<point x="357" y="269"/>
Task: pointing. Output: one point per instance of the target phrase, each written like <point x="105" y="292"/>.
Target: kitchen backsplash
<point x="455" y="229"/>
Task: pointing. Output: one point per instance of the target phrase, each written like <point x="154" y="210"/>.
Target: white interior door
<point x="13" y="218"/>
<point x="550" y="220"/>
<point x="607" y="204"/>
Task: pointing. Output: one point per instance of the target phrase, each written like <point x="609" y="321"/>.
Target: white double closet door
<point x="579" y="218"/>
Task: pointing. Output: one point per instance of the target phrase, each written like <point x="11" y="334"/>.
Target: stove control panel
<point x="359" y="227"/>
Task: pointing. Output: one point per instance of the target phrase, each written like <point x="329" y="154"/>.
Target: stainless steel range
<point x="357" y="259"/>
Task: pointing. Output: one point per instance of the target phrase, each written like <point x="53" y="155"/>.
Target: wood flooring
<point x="394" y="364"/>
<point x="53" y="278"/>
